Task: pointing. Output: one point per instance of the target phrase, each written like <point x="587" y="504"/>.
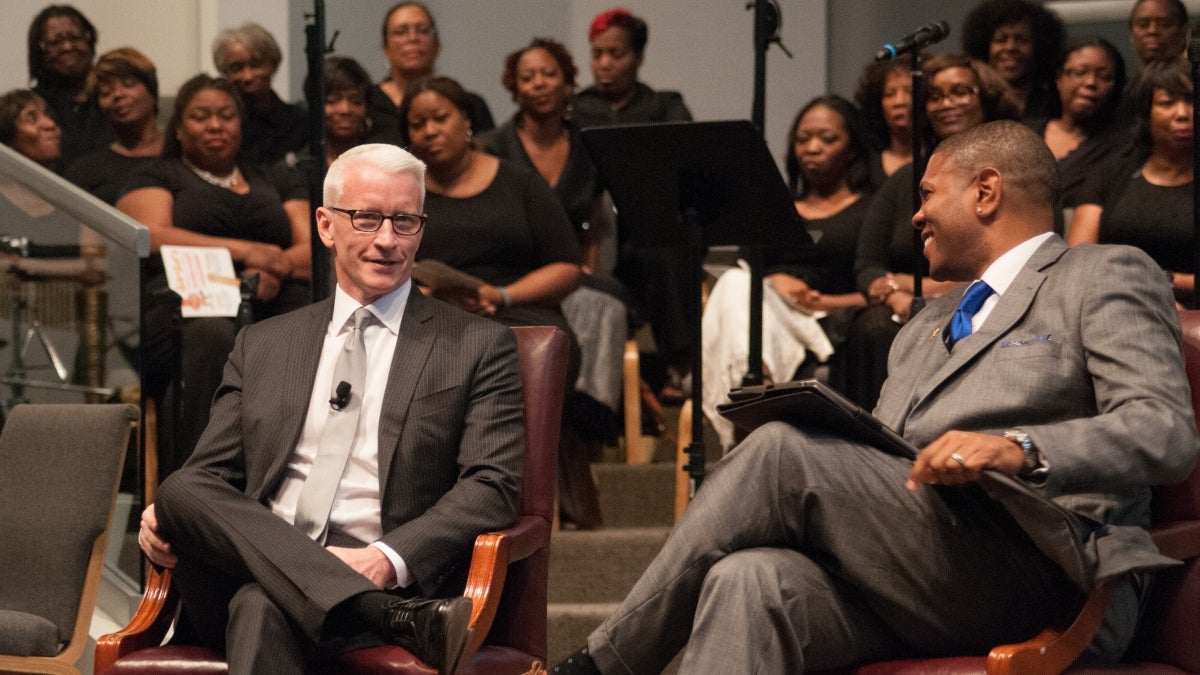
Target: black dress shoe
<point x="435" y="631"/>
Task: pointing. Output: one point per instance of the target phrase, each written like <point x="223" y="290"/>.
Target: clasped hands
<point x="958" y="457"/>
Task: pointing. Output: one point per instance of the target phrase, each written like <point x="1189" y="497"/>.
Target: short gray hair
<point x="384" y="156"/>
<point x="257" y="40"/>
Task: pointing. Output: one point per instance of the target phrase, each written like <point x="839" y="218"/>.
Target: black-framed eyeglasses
<point x="366" y="220"/>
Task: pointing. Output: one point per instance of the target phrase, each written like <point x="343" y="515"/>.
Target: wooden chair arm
<point x="493" y="553"/>
<point x="148" y="626"/>
<point x="1053" y="650"/>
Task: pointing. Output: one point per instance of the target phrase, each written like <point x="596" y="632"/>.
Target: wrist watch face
<point x="1022" y="439"/>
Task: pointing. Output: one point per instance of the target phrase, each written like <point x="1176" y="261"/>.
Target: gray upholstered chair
<point x="59" y="470"/>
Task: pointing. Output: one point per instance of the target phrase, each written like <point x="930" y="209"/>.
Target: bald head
<point x="1018" y="154"/>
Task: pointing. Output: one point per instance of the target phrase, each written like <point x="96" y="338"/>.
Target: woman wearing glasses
<point x="962" y="94"/>
<point x="200" y="194"/>
<point x="411" y="45"/>
<point x="61" y="47"/>
<point x="1091" y="77"/>
<point x="499" y="222"/>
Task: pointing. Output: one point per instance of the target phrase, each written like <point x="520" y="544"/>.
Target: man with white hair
<point x="356" y="448"/>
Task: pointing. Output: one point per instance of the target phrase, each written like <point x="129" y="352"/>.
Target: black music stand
<point x="688" y="186"/>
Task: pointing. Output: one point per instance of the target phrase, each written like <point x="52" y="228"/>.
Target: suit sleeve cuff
<point x="404" y="578"/>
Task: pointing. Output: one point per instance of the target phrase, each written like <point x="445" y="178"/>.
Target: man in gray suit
<point x="435" y="458"/>
<point x="806" y="551"/>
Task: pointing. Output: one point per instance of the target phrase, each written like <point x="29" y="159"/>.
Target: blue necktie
<point x="972" y="300"/>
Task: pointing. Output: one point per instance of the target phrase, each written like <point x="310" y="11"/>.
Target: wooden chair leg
<point x="639" y="449"/>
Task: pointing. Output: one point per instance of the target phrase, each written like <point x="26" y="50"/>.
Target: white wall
<point x="703" y="48"/>
<point x="700" y="47"/>
<point x="176" y="35"/>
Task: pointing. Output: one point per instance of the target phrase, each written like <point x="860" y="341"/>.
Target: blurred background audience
<point x="811" y="297"/>
<point x="248" y="56"/>
<point x="884" y="96"/>
<point x="202" y="194"/>
<point x="1145" y="200"/>
<point x="1021" y="40"/>
<point x="125" y="87"/>
<point x="542" y="136"/>
<point x="411" y="45"/>
<point x="26" y="126"/>
<point x="499" y="222"/>
<point x="62" y="45"/>
<point x="962" y="94"/>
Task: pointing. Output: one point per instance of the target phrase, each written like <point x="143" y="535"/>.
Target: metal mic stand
<point x="767" y="22"/>
<point x="314" y="47"/>
<point x="919" y="160"/>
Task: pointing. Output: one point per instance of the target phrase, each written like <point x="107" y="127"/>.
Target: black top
<point x="82" y="124"/>
<point x="577" y="187"/>
<point x="886" y="241"/>
<point x="1156" y="219"/>
<point x="268" y="137"/>
<point x="647" y="105"/>
<point x="827" y="266"/>
<point x="103" y="172"/>
<point x="385" y="114"/>
<point x="514" y="226"/>
<point x="1076" y="169"/>
<point x="207" y="209"/>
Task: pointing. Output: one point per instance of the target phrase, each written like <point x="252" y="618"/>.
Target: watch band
<point x="1032" y="461"/>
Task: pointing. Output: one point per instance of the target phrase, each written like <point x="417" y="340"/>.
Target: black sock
<point x="359" y="614"/>
<point x="579" y="663"/>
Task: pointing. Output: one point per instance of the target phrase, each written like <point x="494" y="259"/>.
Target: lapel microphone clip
<point x="341" y="396"/>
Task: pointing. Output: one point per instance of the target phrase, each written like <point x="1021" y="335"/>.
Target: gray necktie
<point x="316" y="496"/>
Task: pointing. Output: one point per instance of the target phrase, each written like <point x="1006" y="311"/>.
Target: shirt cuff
<point x="404" y="578"/>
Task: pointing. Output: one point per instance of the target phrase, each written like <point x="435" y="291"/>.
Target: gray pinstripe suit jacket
<point x="1088" y="364"/>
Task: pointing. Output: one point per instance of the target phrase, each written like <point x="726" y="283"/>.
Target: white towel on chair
<point x="787" y="335"/>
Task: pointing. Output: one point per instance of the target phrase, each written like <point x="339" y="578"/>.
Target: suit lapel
<point x="296" y="378"/>
<point x="413" y="345"/>
<point x="1010" y="309"/>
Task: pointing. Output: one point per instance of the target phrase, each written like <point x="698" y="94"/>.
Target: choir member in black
<point x="125" y="86"/>
<point x="1146" y="200"/>
<point x="1021" y="40"/>
<point x="61" y="47"/>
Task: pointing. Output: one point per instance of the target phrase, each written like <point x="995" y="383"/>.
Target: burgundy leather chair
<point x="506" y="582"/>
<point x="1168" y="639"/>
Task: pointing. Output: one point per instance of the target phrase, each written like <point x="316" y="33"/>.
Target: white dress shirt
<point x="356" y="505"/>
<point x="1000" y="274"/>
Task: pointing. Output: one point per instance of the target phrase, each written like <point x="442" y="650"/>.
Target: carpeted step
<point x="602" y="565"/>
<point x="636" y="495"/>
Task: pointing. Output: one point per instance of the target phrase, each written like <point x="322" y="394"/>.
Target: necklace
<point x="226" y="181"/>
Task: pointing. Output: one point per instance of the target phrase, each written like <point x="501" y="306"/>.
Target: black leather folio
<point x="814" y="405"/>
